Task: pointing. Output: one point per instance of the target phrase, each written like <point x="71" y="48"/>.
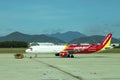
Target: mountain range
<point x="92" y="39"/>
<point x="17" y="36"/>
<point x="67" y="37"/>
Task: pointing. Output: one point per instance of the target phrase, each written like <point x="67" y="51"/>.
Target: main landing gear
<point x="70" y="56"/>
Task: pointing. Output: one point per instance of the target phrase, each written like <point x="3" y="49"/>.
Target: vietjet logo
<point x="81" y="48"/>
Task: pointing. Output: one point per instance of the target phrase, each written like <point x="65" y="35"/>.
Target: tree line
<point x="13" y="44"/>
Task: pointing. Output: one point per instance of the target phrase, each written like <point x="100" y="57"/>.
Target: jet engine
<point x="68" y="54"/>
<point x="63" y="54"/>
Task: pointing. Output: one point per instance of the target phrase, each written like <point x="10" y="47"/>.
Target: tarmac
<point x="103" y="66"/>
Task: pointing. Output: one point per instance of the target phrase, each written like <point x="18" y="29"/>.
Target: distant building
<point x="115" y="44"/>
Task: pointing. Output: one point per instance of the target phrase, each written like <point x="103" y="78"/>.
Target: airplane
<point x="71" y="49"/>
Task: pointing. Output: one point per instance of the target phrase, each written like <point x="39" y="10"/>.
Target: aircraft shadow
<point x="92" y="57"/>
<point x="80" y="57"/>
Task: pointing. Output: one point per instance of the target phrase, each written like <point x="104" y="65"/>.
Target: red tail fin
<point x="106" y="41"/>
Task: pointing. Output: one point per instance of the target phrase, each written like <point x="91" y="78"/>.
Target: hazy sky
<point x="90" y="17"/>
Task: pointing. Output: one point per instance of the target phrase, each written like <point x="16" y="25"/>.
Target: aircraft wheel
<point x="72" y="56"/>
<point x="68" y="56"/>
<point x="30" y="57"/>
<point x="57" y="54"/>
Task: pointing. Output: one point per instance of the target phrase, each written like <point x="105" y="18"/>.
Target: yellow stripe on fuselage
<point x="65" y="47"/>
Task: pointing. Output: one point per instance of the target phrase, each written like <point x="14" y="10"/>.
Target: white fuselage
<point x="45" y="48"/>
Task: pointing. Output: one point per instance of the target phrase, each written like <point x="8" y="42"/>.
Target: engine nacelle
<point x="63" y="54"/>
